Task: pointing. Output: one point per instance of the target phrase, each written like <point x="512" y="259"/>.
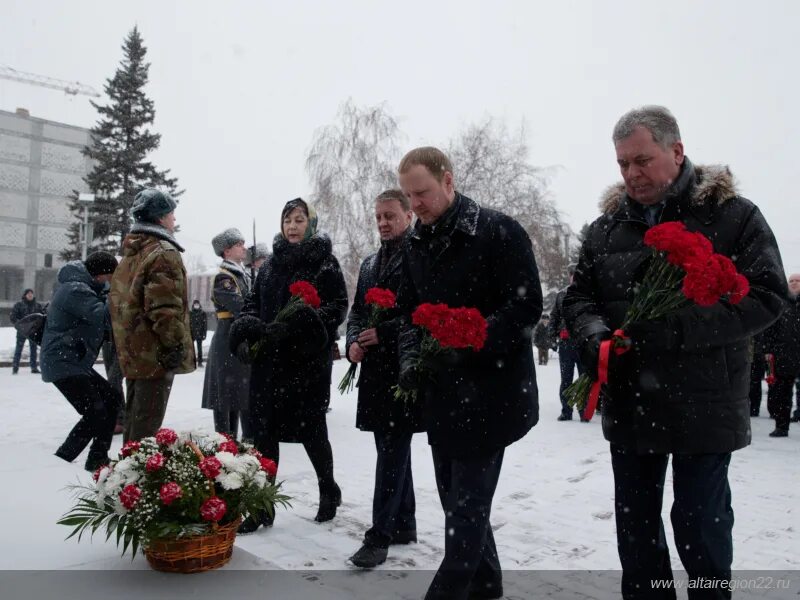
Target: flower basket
<point x="179" y="499"/>
<point x="193" y="554"/>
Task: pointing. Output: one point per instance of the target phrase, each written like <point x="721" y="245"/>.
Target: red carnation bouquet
<point x="684" y="269"/>
<point x="302" y="292"/>
<point x="380" y="301"/>
<point x="444" y="329"/>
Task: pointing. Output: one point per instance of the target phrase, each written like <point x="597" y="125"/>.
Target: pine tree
<point x="122" y="142"/>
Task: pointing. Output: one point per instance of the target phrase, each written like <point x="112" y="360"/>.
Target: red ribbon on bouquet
<point x="602" y="369"/>
<point x="770" y="376"/>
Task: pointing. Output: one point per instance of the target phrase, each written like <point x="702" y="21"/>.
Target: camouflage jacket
<point x="149" y="304"/>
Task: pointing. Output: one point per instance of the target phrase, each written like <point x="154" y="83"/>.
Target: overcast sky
<point x="240" y="87"/>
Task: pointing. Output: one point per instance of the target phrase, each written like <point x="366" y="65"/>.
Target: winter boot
<point x="564" y="417"/>
<point x="35" y="371"/>
<point x="95" y="461"/>
<point x="779" y="432"/>
<point x="328" y="501"/>
<point x="369" y="556"/>
<point x="251" y="523"/>
<point x="404" y="537"/>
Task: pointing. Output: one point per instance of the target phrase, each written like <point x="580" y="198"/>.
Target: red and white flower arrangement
<point x="173" y="485"/>
<point x="684" y="269"/>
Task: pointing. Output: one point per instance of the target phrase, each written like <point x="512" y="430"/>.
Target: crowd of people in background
<point x="687" y="389"/>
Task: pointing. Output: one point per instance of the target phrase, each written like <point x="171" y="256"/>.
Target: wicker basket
<point x="193" y="554"/>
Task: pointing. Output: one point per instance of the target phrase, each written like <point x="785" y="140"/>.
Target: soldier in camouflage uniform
<point x="150" y="313"/>
<point x="227" y="383"/>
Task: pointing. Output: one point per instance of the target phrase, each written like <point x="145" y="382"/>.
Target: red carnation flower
<point x="433" y="317"/>
<point x="154" y="463"/>
<point x="666" y="236"/>
<point x="210" y="467"/>
<point x="563" y="334"/>
<point x="306" y="292"/>
<point x="741" y="288"/>
<point x="268" y="465"/>
<point x="255" y="453"/>
<point x="227" y="436"/>
<point x="166" y="437"/>
<point x="96" y="474"/>
<point x="170" y="492"/>
<point x="229" y="446"/>
<point x="129" y="448"/>
<point x="380" y="297"/>
<point x="213" y="509"/>
<point x="130" y="495"/>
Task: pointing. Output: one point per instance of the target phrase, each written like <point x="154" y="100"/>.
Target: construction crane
<point x="69" y="87"/>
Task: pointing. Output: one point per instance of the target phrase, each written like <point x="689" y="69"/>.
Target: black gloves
<point x="276" y="332"/>
<point x="408" y="378"/>
<point x="658" y="334"/>
<point x="448" y="359"/>
<point x="244" y="354"/>
<point x="590" y="353"/>
<point x="170" y="358"/>
<point x="248" y="329"/>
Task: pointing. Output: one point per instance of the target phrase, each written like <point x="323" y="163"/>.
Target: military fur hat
<point x="151" y="204"/>
<point x="226" y="239"/>
<point x="260" y="251"/>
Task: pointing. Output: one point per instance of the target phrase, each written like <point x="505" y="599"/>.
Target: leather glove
<point x="657" y="334"/>
<point x="590" y="354"/>
<point x="244" y="354"/>
<point x="409" y="375"/>
<point x="170" y="358"/>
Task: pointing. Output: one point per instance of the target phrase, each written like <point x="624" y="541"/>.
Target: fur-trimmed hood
<point x="706" y="184"/>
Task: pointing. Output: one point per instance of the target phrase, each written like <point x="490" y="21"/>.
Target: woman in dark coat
<point x="291" y="375"/>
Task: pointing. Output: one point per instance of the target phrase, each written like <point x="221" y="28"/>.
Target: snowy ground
<point x="553" y="509"/>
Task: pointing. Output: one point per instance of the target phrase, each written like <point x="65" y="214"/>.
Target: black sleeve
<point x="757" y="257"/>
<point x="408" y="336"/>
<point x="580" y="309"/>
<point x="556" y="315"/>
<point x="511" y="325"/>
<point x="359" y="313"/>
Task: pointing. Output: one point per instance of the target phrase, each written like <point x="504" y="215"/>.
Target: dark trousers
<point x="466" y="489"/>
<point x="757" y="370"/>
<point x="96" y="402"/>
<point x="568" y="360"/>
<point x="18" y="352"/>
<point x="199" y="354"/>
<point x="544" y="354"/>
<point x="114" y="376"/>
<point x="319" y="453"/>
<point x="393" y="502"/>
<point x="779" y="400"/>
<point x="702" y="519"/>
<point x="227" y="421"/>
<point x="145" y="406"/>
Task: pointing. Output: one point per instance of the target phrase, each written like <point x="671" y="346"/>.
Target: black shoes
<point x="251" y="523"/>
<point x="94" y="462"/>
<point x="779" y="433"/>
<point x="795" y="418"/>
<point x="369" y="556"/>
<point x="404" y="537"/>
<point x="328" y="502"/>
<point x="564" y="418"/>
<point x="35" y="371"/>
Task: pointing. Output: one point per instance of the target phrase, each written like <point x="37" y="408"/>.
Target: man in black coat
<point x="198" y="325"/>
<point x="393" y="422"/>
<point x="782" y="347"/>
<point x="683" y="388"/>
<point x="26" y="306"/>
<point x="568" y="353"/>
<point x="474" y="403"/>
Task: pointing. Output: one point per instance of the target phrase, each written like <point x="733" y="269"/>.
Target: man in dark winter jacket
<point x="26" y="306"/>
<point x="474" y="403"/>
<point x="198" y="324"/>
<point x="568" y="353"/>
<point x="782" y="349"/>
<point x="683" y="387"/>
<point x="77" y="321"/>
<point x="393" y="422"/>
<point x="758" y="369"/>
<point x="542" y="339"/>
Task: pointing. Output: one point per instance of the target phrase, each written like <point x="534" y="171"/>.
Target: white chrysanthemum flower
<point x="260" y="479"/>
<point x="103" y="475"/>
<point x="246" y="464"/>
<point x="230" y="481"/>
<point x="227" y="459"/>
<point x="114" y="483"/>
<point x="118" y="508"/>
<point x="125" y="465"/>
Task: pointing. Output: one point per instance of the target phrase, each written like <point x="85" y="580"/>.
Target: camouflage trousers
<point x="145" y="406"/>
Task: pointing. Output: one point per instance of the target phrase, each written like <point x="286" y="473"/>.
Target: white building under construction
<point x="41" y="165"/>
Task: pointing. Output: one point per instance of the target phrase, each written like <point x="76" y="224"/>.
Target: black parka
<point x="692" y="399"/>
<point x="290" y="384"/>
<point x="377" y="408"/>
<point x="480" y="259"/>
<point x="783" y="340"/>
